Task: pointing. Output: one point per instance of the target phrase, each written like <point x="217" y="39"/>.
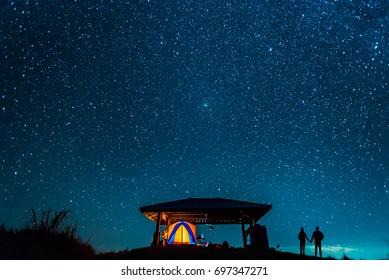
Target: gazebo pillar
<point x="243" y="234"/>
<point x="157" y="231"/>
<point x="251" y="222"/>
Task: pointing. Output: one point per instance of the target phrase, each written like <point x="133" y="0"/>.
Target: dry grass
<point x="50" y="236"/>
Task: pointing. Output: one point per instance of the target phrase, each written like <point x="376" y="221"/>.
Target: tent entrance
<point x="182" y="233"/>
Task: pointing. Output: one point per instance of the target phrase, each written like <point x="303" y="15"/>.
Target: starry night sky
<point x="107" y="106"/>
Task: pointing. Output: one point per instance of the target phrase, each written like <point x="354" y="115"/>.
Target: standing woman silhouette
<point x="302" y="236"/>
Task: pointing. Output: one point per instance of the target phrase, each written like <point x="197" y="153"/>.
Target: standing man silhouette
<point x="318" y="236"/>
<point x="302" y="237"/>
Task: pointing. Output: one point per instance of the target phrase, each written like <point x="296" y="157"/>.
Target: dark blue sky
<point x="107" y="106"/>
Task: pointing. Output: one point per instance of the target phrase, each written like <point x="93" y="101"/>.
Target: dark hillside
<point x="200" y="253"/>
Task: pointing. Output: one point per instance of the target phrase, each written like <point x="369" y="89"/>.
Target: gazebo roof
<point x="207" y="211"/>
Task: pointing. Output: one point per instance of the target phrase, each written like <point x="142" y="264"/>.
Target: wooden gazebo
<point x="206" y="211"/>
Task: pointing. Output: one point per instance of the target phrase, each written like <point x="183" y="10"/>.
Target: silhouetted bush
<point x="225" y="244"/>
<point x="49" y="236"/>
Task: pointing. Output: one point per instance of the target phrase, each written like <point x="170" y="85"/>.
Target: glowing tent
<point x="182" y="233"/>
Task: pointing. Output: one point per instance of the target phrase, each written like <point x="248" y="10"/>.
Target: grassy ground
<point x="28" y="244"/>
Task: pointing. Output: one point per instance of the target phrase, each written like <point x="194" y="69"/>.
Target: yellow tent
<point x="182" y="233"/>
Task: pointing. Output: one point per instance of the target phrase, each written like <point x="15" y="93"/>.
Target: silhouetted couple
<point x="317" y="235"/>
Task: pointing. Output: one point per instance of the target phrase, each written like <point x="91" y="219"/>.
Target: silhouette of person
<point x="318" y="236"/>
<point x="302" y="236"/>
